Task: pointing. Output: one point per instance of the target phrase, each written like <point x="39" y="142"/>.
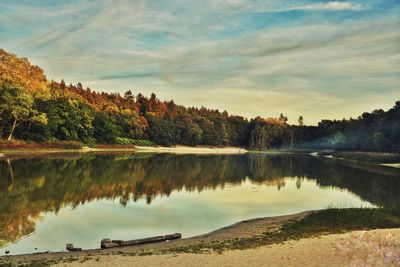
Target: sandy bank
<point x="394" y="165"/>
<point x="359" y="248"/>
<point x="131" y="149"/>
<point x="193" y="150"/>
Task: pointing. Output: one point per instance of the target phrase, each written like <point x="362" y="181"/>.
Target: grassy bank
<point x="23" y="145"/>
<point x="329" y="221"/>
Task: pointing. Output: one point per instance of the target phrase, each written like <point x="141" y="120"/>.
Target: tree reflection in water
<point x="30" y="186"/>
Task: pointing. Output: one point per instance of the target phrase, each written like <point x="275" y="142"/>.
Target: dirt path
<point x="359" y="248"/>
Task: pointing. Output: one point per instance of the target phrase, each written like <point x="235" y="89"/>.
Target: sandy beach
<point x="358" y="248"/>
<point x="192" y="150"/>
<point x="394" y="165"/>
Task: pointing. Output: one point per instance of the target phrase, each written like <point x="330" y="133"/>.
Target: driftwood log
<point x="108" y="243"/>
<point x="70" y="247"/>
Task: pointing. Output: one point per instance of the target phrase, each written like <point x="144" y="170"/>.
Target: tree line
<point x="35" y="109"/>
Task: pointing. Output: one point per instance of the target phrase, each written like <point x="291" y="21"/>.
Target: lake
<point x="48" y="201"/>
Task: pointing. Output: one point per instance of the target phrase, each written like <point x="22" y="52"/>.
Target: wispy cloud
<point x="249" y="57"/>
<point x="333" y="5"/>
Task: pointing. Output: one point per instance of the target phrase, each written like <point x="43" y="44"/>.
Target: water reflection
<point x="31" y="186"/>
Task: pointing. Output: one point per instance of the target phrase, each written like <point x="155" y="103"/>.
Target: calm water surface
<point x="46" y="202"/>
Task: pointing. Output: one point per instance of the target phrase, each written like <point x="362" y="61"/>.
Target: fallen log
<point x="70" y="247"/>
<point x="107" y="243"/>
<point x="110" y="245"/>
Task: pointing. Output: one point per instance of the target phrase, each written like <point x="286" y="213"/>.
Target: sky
<point x="319" y="59"/>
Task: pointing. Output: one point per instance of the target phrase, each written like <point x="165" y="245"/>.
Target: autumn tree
<point x="18" y="72"/>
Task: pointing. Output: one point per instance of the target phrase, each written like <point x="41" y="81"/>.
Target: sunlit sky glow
<point x="320" y="59"/>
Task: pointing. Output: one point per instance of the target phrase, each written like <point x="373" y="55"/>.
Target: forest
<point x="35" y="109"/>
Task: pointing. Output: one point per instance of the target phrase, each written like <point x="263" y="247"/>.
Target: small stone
<point x="105" y="241"/>
<point x="7" y="252"/>
<point x="69" y="246"/>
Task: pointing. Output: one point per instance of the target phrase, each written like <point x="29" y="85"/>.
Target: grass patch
<point x="145" y="253"/>
<point x="23" y="145"/>
<point x="86" y="258"/>
<point x="136" y="142"/>
<point x="38" y="262"/>
<point x="317" y="223"/>
<point x="336" y="220"/>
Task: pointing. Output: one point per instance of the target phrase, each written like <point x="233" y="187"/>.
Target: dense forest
<point x="33" y="108"/>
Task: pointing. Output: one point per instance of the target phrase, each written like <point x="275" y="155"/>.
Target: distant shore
<point x="384" y="159"/>
<point x="179" y="149"/>
<point x="378" y="158"/>
<point x="122" y="149"/>
<point x="193" y="150"/>
<point x="394" y="165"/>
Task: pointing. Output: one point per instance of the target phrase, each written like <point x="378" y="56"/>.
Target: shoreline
<point x="393" y="165"/>
<point x="134" y="149"/>
<point x="197" y="247"/>
<point x="377" y="158"/>
<point x="191" y="150"/>
<point x="241" y="229"/>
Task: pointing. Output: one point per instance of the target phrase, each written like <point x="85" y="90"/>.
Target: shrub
<point x="22" y="145"/>
<point x="137" y="142"/>
<point x="63" y="144"/>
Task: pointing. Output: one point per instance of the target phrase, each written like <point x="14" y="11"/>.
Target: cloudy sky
<point x="320" y="59"/>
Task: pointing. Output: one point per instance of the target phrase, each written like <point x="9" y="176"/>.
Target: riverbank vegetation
<point x="316" y="223"/>
<point x="35" y="109"/>
<point x="23" y="145"/>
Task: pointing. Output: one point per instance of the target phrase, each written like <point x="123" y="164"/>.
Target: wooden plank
<point x="142" y="241"/>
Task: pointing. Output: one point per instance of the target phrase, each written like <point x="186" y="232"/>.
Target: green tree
<point x="192" y="135"/>
<point x="105" y="129"/>
<point x="17" y="106"/>
<point x="381" y="142"/>
<point x="69" y="119"/>
<point x="160" y="131"/>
